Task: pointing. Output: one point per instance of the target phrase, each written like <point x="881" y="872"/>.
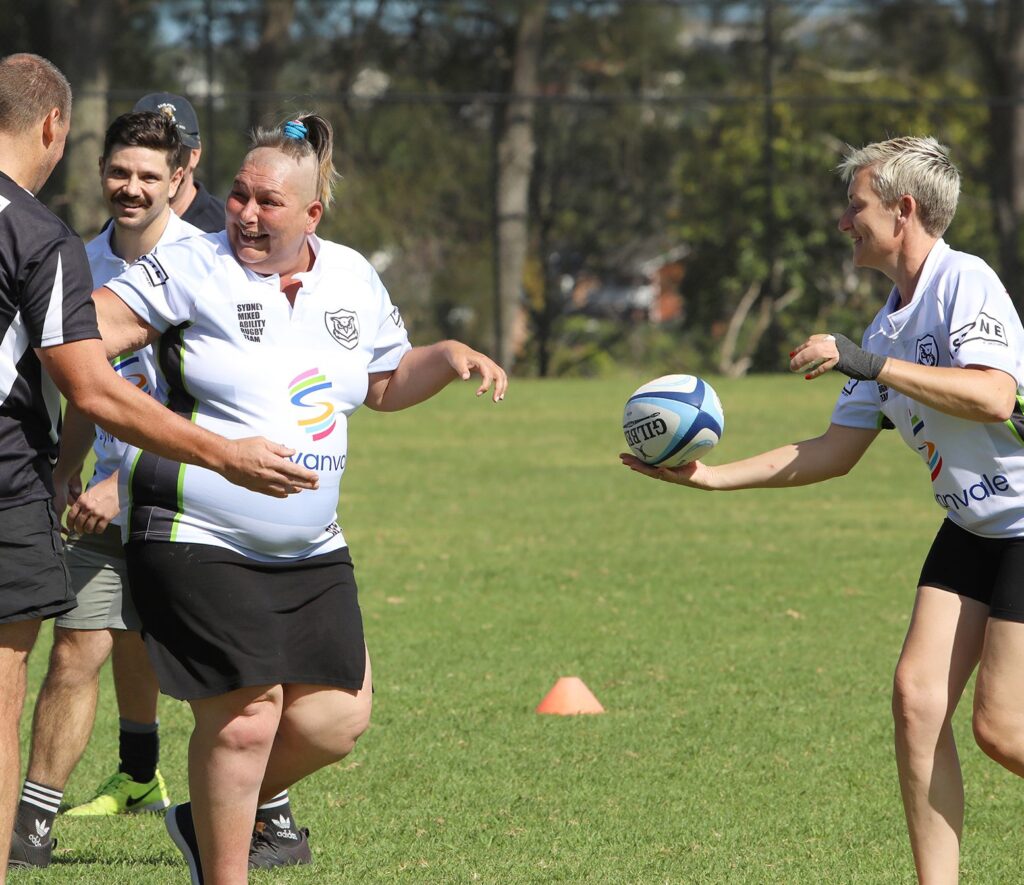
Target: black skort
<point x="214" y="620"/>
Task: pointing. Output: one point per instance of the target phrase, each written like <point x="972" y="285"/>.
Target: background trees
<point x="545" y="178"/>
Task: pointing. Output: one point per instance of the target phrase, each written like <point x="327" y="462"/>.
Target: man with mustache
<point x="192" y="201"/>
<point x="140" y="171"/>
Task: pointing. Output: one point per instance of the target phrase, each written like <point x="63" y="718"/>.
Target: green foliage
<point x="734" y="229"/>
<point x="590" y="347"/>
<point x="652" y="132"/>
<point x="741" y="643"/>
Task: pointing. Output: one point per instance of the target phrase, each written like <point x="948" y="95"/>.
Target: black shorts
<point x="34" y="581"/>
<point x="989" y="570"/>
<point x="214" y="620"/>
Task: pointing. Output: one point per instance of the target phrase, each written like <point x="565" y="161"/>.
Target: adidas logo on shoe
<point x="284" y="828"/>
<point x="42" y="831"/>
<point x="267" y="852"/>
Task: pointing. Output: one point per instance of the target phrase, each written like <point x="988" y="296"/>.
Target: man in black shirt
<point x="192" y="202"/>
<point x="49" y="344"/>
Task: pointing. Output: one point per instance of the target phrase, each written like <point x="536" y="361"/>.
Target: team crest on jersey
<point x="928" y="351"/>
<point x="343" y="326"/>
<point x="396" y="318"/>
<point x="154" y="270"/>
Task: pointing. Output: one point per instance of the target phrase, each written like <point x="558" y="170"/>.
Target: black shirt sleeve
<point x="57" y="303"/>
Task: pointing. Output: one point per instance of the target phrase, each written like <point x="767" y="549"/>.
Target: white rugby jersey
<point x="139" y="367"/>
<point x="239" y="360"/>
<point x="960" y="315"/>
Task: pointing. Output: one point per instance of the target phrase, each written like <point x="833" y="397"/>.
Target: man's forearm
<point x="84" y="376"/>
<point x="81" y="372"/>
<point x="136" y="418"/>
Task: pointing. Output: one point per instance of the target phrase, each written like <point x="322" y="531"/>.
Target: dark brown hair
<point x="145" y="129"/>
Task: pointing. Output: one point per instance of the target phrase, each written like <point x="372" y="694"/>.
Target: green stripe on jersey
<point x="179" y="491"/>
<point x="1016" y="420"/>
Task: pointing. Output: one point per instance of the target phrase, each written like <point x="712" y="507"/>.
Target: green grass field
<point x="742" y="645"/>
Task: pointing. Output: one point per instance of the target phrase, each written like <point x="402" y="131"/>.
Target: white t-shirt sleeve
<point x="983" y="328"/>
<point x="859" y="406"/>
<point x="391" y="342"/>
<point x="160" y="287"/>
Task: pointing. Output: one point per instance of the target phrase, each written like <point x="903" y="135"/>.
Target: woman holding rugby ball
<point x="942" y="362"/>
<point x="248" y="603"/>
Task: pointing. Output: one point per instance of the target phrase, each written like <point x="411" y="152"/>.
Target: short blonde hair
<point x="910" y="165"/>
<point x="317" y="141"/>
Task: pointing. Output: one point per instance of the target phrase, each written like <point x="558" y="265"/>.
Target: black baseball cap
<point x="178" y="109"/>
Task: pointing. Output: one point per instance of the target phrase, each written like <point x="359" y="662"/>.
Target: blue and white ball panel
<point x="673" y="420"/>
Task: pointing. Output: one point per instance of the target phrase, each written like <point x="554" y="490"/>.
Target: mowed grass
<point x="742" y="645"/>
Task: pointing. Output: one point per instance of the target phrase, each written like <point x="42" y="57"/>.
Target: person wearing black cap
<point x="193" y="202"/>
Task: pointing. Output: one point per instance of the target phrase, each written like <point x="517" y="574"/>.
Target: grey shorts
<point x="99" y="577"/>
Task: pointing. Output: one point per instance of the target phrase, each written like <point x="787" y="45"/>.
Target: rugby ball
<point x="673" y="420"/>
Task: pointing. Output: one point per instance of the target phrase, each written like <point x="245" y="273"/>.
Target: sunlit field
<point x="742" y="645"/>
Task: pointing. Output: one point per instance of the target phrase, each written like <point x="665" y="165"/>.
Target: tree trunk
<point x="734" y="362"/>
<point x="81" y="52"/>
<point x="514" y="159"/>
<point x="998" y="33"/>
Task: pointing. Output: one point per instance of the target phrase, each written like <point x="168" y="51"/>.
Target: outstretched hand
<point x="695" y="475"/>
<point x="465" y="361"/>
<point x="262" y="466"/>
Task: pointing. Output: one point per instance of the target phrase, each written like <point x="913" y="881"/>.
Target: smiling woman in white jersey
<point x="250" y="612"/>
<point x="943" y="363"/>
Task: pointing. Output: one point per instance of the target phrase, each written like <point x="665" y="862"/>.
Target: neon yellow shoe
<point x="119" y="794"/>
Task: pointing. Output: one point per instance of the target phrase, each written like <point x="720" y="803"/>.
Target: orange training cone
<point x="568" y="697"/>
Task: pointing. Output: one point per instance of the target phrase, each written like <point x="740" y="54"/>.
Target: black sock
<point x="274" y="818"/>
<point x="140" y="749"/>
<point x="36" y="810"/>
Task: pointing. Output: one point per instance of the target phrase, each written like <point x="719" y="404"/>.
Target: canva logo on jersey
<point x="128" y="367"/>
<point x="303" y="390"/>
<point x="927" y="448"/>
<point x="322" y="463"/>
<point x="984" y="488"/>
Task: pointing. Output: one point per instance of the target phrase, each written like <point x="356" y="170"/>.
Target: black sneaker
<point x="34" y="850"/>
<point x="278" y="846"/>
<point x="182" y="831"/>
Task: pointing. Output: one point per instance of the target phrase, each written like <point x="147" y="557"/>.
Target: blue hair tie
<point x="295" y="129"/>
